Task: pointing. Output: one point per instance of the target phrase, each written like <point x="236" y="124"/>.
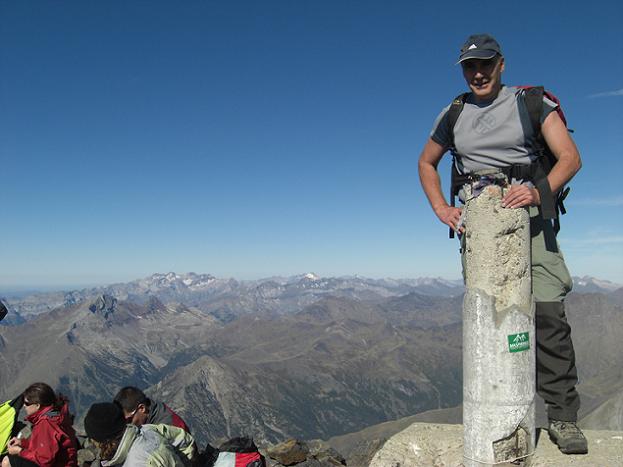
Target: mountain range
<point x="229" y="298"/>
<point x="303" y="356"/>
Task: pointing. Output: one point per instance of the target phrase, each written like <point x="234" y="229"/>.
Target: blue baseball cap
<point x="480" y="46"/>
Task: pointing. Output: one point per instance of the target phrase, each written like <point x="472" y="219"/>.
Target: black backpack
<point x="552" y="204"/>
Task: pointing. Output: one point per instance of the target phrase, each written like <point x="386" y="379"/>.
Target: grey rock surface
<point x="429" y="445"/>
<point x="497" y="253"/>
<point x="297" y="453"/>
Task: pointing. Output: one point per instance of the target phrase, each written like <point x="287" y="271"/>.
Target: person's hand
<point x="14" y="446"/>
<point x="520" y="196"/>
<point x="14" y="442"/>
<point x="450" y="216"/>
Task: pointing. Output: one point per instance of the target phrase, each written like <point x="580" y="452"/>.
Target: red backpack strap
<point x="176" y="420"/>
<point x="555" y="100"/>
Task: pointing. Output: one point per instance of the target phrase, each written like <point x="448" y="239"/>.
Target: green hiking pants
<point x="550" y="278"/>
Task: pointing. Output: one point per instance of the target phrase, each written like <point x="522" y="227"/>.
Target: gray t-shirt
<point x="493" y="134"/>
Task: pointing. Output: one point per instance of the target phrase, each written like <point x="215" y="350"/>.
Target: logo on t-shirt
<point x="484" y="123"/>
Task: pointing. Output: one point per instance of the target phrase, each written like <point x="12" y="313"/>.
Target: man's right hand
<point x="427" y="165"/>
<point x="450" y="216"/>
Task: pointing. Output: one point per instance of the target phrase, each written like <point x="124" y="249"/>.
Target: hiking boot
<point x="568" y="437"/>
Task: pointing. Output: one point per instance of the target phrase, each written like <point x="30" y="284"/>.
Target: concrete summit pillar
<point x="498" y="333"/>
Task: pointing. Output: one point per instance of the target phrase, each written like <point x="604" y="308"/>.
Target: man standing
<point x="493" y="131"/>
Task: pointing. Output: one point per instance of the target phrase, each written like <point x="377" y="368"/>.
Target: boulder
<point x="290" y="452"/>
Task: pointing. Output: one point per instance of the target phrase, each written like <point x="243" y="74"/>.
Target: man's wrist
<point x="439" y="208"/>
<point x="537" y="197"/>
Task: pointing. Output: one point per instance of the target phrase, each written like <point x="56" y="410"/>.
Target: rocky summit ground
<point x="437" y="445"/>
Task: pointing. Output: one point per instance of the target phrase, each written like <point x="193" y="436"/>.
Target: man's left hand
<point x="520" y="196"/>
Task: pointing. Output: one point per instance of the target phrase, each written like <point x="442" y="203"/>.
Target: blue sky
<point x="253" y="138"/>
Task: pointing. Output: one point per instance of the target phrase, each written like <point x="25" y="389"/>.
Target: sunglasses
<point x="131" y="415"/>
<point x="27" y="404"/>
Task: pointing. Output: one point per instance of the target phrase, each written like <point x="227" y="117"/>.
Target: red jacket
<point x="53" y="439"/>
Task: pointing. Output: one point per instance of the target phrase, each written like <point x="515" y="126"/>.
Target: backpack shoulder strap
<point x="452" y="115"/>
<point x="533" y="97"/>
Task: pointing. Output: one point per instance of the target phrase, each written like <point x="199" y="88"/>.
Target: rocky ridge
<point x="228" y="298"/>
<point x="442" y="446"/>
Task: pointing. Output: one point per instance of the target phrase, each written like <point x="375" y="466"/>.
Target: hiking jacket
<point x="160" y="413"/>
<point x="153" y="446"/>
<point x="53" y="439"/>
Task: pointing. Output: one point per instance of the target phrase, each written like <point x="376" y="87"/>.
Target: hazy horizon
<point x="24" y="290"/>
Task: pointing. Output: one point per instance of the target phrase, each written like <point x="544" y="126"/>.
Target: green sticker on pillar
<point x="518" y="342"/>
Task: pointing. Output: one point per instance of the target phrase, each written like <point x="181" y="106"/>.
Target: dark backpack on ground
<point x="238" y="452"/>
<point x="552" y="204"/>
<point x="207" y="457"/>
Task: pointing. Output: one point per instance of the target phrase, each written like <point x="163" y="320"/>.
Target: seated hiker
<point x="133" y="446"/>
<point x="10" y="426"/>
<point x="53" y="440"/>
<point x="139" y="409"/>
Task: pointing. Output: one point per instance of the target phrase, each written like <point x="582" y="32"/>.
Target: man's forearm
<point x="563" y="171"/>
<point x="431" y="184"/>
<point x="564" y="149"/>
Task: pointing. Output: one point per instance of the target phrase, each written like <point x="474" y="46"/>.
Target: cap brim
<point x="478" y="54"/>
